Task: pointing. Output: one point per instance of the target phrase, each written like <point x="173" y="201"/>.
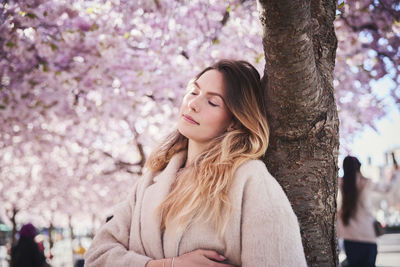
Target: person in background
<point x="355" y="220"/>
<point x="27" y="253"/>
<point x="79" y="251"/>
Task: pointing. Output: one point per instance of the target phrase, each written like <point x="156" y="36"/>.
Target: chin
<point x="186" y="133"/>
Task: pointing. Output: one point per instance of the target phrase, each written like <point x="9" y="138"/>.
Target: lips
<point x="190" y="119"/>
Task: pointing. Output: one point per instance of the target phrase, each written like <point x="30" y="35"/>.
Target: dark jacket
<point x="27" y="254"/>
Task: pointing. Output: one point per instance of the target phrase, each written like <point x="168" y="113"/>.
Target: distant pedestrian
<point x="78" y="255"/>
<point x="356" y="222"/>
<point x="27" y="253"/>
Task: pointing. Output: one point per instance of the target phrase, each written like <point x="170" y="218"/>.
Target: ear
<point x="233" y="125"/>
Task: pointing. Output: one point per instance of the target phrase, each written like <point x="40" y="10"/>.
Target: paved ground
<point x="388" y="253"/>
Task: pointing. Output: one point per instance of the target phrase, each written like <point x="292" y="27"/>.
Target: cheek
<point x="221" y="119"/>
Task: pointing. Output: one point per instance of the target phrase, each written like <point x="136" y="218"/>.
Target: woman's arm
<point x="110" y="245"/>
<point x="270" y="230"/>
<point x="196" y="258"/>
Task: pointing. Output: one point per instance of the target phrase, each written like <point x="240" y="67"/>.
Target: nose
<point x="194" y="105"/>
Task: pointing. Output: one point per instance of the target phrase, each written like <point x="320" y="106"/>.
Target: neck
<point x="194" y="149"/>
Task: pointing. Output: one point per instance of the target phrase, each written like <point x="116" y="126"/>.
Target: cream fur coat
<point x="262" y="229"/>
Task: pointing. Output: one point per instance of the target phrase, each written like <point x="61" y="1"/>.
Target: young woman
<point x="207" y="199"/>
<point x="355" y="224"/>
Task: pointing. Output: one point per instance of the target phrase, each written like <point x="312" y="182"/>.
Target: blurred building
<point x="386" y="197"/>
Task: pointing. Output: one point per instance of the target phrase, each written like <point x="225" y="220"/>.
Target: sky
<point x="374" y="144"/>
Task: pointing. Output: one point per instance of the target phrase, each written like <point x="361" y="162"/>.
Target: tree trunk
<point x="71" y="235"/>
<point x="14" y="212"/>
<point x="92" y="233"/>
<point x="71" y="228"/>
<point x="300" y="45"/>
<point x="51" y="240"/>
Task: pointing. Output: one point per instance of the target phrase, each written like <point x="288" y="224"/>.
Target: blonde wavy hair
<point x="201" y="191"/>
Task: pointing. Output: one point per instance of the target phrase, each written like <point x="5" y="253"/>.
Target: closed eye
<point x="212" y="104"/>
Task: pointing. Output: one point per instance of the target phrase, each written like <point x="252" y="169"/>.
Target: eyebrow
<point x="209" y="93"/>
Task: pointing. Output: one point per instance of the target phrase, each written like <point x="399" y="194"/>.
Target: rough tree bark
<point x="300" y="45"/>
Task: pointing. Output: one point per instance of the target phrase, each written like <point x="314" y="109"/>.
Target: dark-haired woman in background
<point x="355" y="224"/>
<point x="27" y="253"/>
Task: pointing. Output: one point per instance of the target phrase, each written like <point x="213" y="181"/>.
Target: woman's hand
<point x="201" y="258"/>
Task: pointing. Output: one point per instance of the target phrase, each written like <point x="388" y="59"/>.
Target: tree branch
<point x="367" y="26"/>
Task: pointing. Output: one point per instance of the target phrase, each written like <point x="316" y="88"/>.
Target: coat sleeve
<point x="110" y="245"/>
<point x="270" y="230"/>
